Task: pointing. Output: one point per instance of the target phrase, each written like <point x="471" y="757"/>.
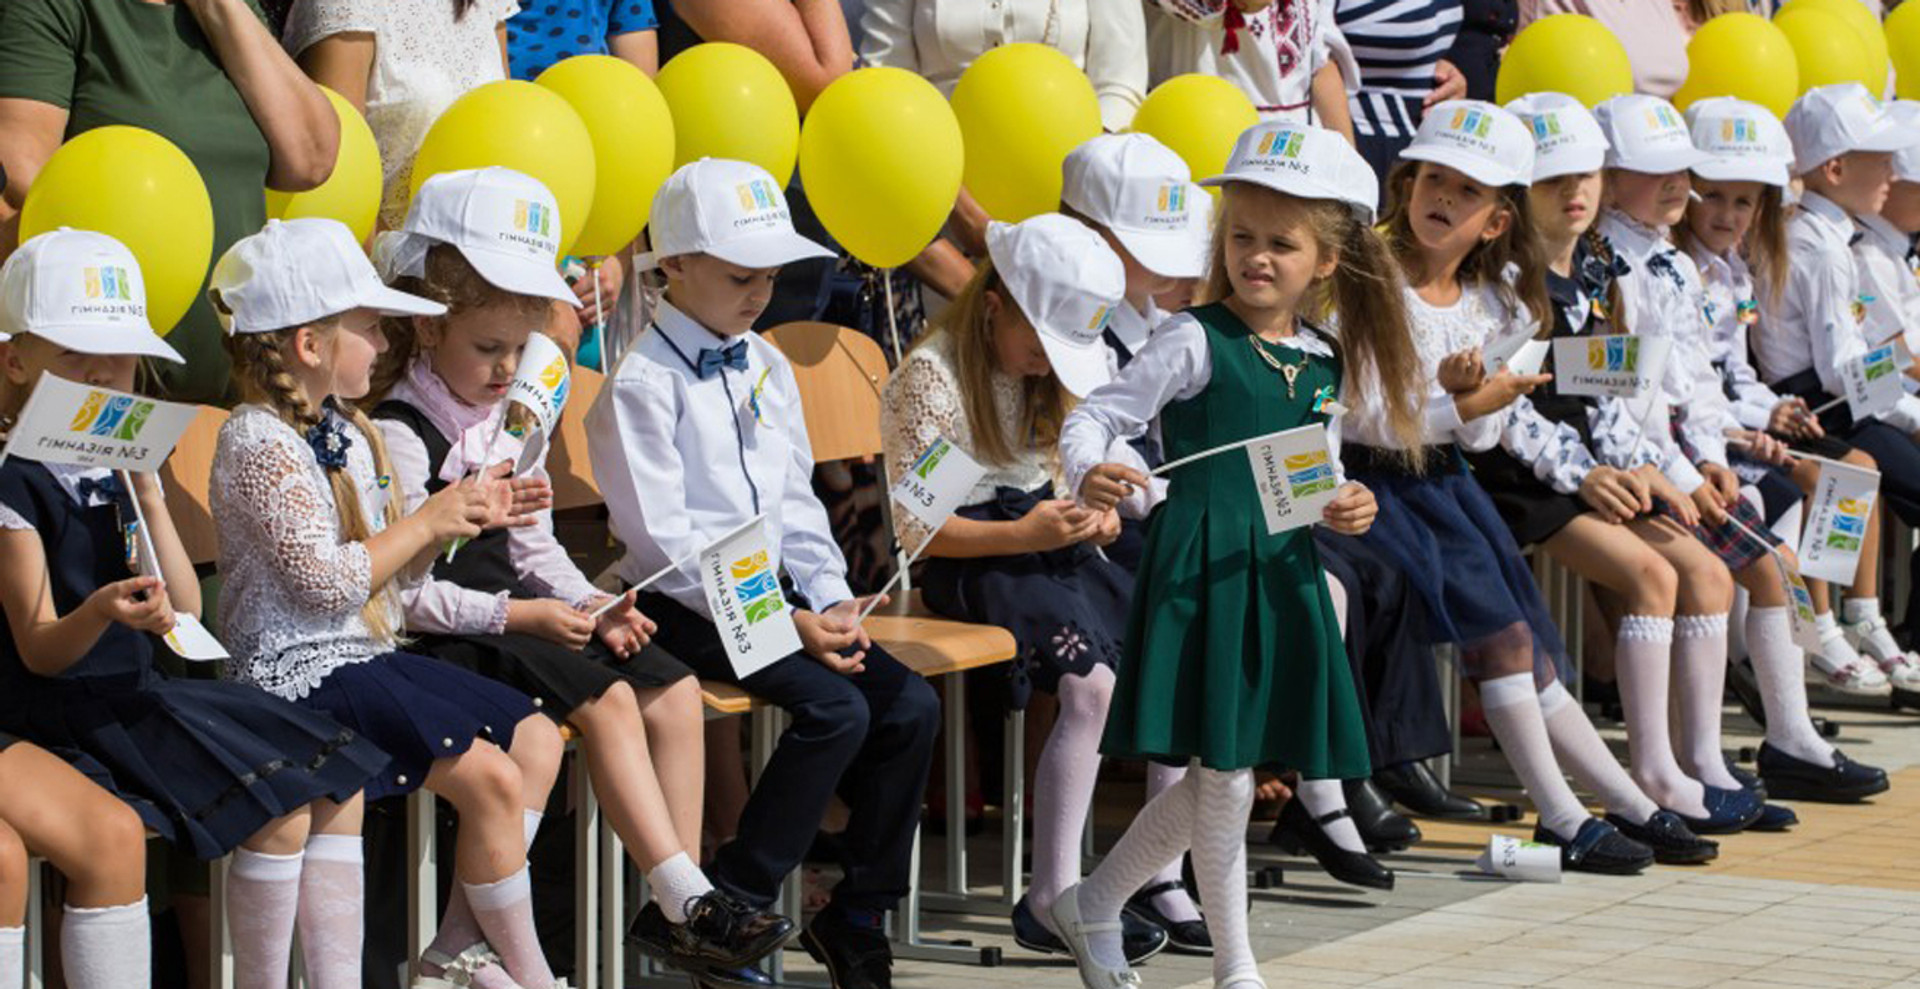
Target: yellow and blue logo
<point x="1613" y="353"/>
<point x="757" y="587"/>
<point x="119" y="417"/>
<point x="1283" y="143"/>
<point x="1099" y="321"/>
<point x="533" y="217"/>
<point x="1471" y="121"/>
<point x="757" y="195"/>
<point x="1309" y="473"/>
<point x="1879" y="363"/>
<point x="1740" y="129"/>
<point x="1546" y="125"/>
<point x="1849" y="525"/>
<point x="1663" y="118"/>
<point x="1173" y="198"/>
<point x="109" y="282"/>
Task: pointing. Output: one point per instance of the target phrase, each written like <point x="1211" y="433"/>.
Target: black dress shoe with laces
<point x="1599" y="847"/>
<point x="1673" y="843"/>
<point x="1382" y="829"/>
<point x="1184" y="937"/>
<point x="1140" y="938"/>
<point x="721" y="932"/>
<point x="856" y="957"/>
<point x="744" y="977"/>
<point x="1415" y="787"/>
<point x="1298" y="831"/>
<point x="1844" y="782"/>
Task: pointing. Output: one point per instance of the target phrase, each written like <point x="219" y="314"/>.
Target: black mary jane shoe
<point x="1140" y="937"/>
<point x="1413" y="786"/>
<point x="1382" y="829"/>
<point x="1184" y="937"/>
<point x="1298" y="831"/>
<point x="1844" y="782"/>
<point x="1673" y="843"/>
<point x="1728" y="812"/>
<point x="1600" y="848"/>
<point x="744" y="977"/>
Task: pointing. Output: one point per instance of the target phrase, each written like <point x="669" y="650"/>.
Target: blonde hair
<point x="1487" y="262"/>
<point x="260" y="369"/>
<point x="1044" y="403"/>
<point x="1364" y="291"/>
<point x="451" y="281"/>
<point x="1764" y="246"/>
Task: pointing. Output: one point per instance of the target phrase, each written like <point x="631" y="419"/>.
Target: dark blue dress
<point x="205" y="763"/>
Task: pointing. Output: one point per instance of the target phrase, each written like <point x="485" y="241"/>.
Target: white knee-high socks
<point x="1586" y="758"/>
<point x="107" y="947"/>
<point x="1643" y="661"/>
<point x="1780" y="667"/>
<point x="1700" y="670"/>
<point x="1063" y="786"/>
<point x="263" y="892"/>
<point x="1513" y="712"/>
<point x="333" y="910"/>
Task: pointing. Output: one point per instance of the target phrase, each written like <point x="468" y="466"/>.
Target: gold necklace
<point x="1291" y="372"/>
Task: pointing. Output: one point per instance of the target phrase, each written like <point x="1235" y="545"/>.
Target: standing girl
<point x="1460" y="221"/>
<point x="312" y="543"/>
<point x="1201" y="680"/>
<point x="215" y="767"/>
<point x="511" y="605"/>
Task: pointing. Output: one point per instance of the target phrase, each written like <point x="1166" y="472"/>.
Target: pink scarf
<point x="467" y="427"/>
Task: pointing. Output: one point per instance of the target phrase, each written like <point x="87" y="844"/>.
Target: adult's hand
<point x="1448" y="84"/>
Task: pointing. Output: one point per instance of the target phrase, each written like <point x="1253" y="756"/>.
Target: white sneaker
<point x="1859" y="678"/>
<point x="1871" y="638"/>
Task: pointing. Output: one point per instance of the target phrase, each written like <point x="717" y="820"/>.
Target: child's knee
<point x="1861" y="458"/>
<point x="113" y="844"/>
<point x="616" y="706"/>
<point x="537" y="743"/>
<point x="13" y="858"/>
<point x="1087" y="696"/>
<point x="483" y="778"/>
<point x="1655" y="579"/>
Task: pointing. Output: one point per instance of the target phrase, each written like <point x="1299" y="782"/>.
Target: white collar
<point x="1827" y="215"/>
<point x="70" y="476"/>
<point x="1891" y="239"/>
<point x="687" y="333"/>
<point x="1632" y="238"/>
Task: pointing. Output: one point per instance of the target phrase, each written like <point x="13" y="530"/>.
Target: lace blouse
<point x="924" y="402"/>
<point x="1479" y="315"/>
<point x="290" y="606"/>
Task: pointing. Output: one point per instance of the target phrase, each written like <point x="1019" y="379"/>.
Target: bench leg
<point x="613" y="912"/>
<point x="36" y="927"/>
<point x="219" y="945"/>
<point x="586" y="876"/>
<point x="1013" y="817"/>
<point x="423" y="880"/>
<point x="954" y="689"/>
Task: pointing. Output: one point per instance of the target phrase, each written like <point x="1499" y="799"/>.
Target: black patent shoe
<point x="1382" y="828"/>
<point x="1415" y="787"/>
<point x="744" y="977"/>
<point x="1728" y="812"/>
<point x="1598" y="848"/>
<point x="856" y="957"/>
<point x="1845" y="782"/>
<point x="1673" y="843"/>
<point x="1775" y="817"/>
<point x="1297" y="832"/>
<point x="1140" y="937"/>
<point x="1184" y="937"/>
<point x="1747" y="780"/>
<point x="721" y="931"/>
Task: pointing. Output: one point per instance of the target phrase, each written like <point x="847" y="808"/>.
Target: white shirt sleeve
<point x="1117" y="58"/>
<point x="886" y="32"/>
<point x="1174" y="365"/>
<point x="642" y="477"/>
<point x="1753" y="401"/>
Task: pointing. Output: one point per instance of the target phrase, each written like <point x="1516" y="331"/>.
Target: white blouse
<point x="1479" y="315"/>
<point x="1731" y="309"/>
<point x="938" y="39"/>
<point x="924" y="402"/>
<point x="290" y="605"/>
<point x="1276" y="50"/>
<point x="423" y="61"/>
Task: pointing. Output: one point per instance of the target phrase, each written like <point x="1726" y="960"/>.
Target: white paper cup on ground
<point x="1525" y="861"/>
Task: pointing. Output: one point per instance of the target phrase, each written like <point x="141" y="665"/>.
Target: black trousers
<point x="868" y="737"/>
<point x="1387" y="646"/>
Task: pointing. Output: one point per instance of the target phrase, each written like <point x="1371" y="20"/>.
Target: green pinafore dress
<point x="1233" y="653"/>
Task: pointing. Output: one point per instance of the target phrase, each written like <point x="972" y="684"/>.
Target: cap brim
<point x="1298" y="186"/>
<point x="1892" y="137"/>
<point x="519" y="275"/>
<point x="1472" y="166"/>
<point x="1662" y="163"/>
<point x="1169" y="254"/>
<point x="393" y="302"/>
<point x="1772" y="173"/>
<point x="1080" y="367"/>
<point x="1569" y="163"/>
<point x="769" y="249"/>
<point x="102" y="342"/>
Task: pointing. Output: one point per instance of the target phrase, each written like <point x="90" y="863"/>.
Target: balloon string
<point x="893" y="326"/>
<point x="599" y="316"/>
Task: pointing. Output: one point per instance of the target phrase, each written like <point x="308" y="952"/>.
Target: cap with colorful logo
<point x="294" y="272"/>
<point x="1566" y="138"/>
<point x="1829" y="121"/>
<point x="1744" y="142"/>
<point x="732" y="210"/>
<point x="1479" y="140"/>
<point x="1305" y="161"/>
<point x="1136" y="187"/>
<point x="505" y="223"/>
<point x="1067" y="281"/>
<point x="1647" y="135"/>
<point x="83" y="291"/>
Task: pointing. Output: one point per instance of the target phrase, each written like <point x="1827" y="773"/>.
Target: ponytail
<point x="1376" y="340"/>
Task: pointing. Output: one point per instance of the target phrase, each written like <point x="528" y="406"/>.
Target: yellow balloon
<point x="1826" y="49"/>
<point x="521" y="126"/>
<point x="1198" y="117"/>
<point x="632" y="135"/>
<point x="1021" y="108"/>
<point x="728" y="101"/>
<point x="352" y="193"/>
<point x="880" y="157"/>
<point x="135" y="186"/>
<point x="1873" y="37"/>
<point x="1903" y="47"/>
<point x="1565" y="53"/>
<point x="1742" y="55"/>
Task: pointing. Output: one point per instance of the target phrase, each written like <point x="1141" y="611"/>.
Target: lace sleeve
<point x="314" y="21"/>
<point x="922" y="404"/>
<point x="13" y="521"/>
<point x="288" y="517"/>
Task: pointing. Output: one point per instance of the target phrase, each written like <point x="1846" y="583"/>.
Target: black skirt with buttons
<point x="419" y="710"/>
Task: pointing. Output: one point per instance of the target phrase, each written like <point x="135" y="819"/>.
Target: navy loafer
<point x="1673" y="843"/>
<point x="1599" y="848"/>
<point x="1844" y="782"/>
<point x="1728" y="812"/>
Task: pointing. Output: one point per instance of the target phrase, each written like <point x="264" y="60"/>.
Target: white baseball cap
<point x="294" y="272"/>
<point x="1744" y="142"/>
<point x="1305" y="161"/>
<point x="1139" y="189"/>
<point x="1906" y="161"/>
<point x="505" y="223"/>
<point x="733" y="210"/>
<point x="83" y="291"/>
<point x="1829" y="121"/>
<point x="1566" y="138"/>
<point x="1067" y="281"/>
<point x="1480" y="140"/>
<point x="1647" y="135"/>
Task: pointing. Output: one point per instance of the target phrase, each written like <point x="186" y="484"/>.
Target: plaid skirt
<point x="1737" y="547"/>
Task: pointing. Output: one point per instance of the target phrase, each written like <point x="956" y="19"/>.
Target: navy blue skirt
<point x="1067" y="609"/>
<point x="419" y="710"/>
<point x="1444" y="534"/>
<point x="205" y="763"/>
